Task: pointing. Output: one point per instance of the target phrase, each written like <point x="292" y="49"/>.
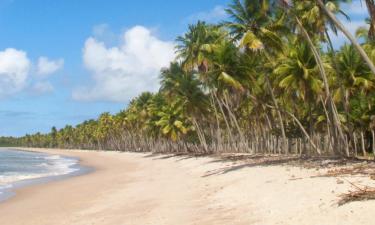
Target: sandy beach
<point x="132" y="189"/>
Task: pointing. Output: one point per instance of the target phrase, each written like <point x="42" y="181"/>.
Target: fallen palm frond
<point x="364" y="193"/>
<point x="365" y="169"/>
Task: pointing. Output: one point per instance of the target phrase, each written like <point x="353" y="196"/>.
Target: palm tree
<point x="298" y="76"/>
<point x="193" y="46"/>
<point x="254" y="25"/>
<point x="172" y="122"/>
<point x="353" y="75"/>
<point x="336" y="127"/>
<point x="184" y="87"/>
<point x="352" y="39"/>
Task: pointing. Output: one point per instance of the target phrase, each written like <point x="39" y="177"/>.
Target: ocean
<point x="22" y="166"/>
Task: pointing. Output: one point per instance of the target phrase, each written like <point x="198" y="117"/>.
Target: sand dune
<point x="130" y="188"/>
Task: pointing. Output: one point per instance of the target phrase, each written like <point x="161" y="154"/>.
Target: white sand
<point x="129" y="188"/>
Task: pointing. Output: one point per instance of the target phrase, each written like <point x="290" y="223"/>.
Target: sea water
<point x="17" y="166"/>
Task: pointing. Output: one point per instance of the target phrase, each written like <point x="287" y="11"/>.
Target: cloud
<point x="14" y="70"/>
<point x="42" y="87"/>
<point x="124" y="71"/>
<point x="212" y="16"/>
<point x="100" y="29"/>
<point x="47" y="67"/>
<point x="102" y="32"/>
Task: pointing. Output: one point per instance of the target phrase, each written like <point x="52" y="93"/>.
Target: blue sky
<point x="65" y="61"/>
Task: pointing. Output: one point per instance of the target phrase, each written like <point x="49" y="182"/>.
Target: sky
<point x="66" y="61"/>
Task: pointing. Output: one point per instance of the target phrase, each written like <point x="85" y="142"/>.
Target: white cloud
<point x="42" y="87"/>
<point x="102" y="32"/>
<point x="100" y="29"/>
<point x="123" y="72"/>
<point x="212" y="16"/>
<point x="47" y="67"/>
<point x="14" y="70"/>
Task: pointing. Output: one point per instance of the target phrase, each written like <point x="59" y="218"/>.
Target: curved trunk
<point x="281" y="121"/>
<point x="231" y="140"/>
<point x="332" y="107"/>
<point x="200" y="134"/>
<point x="341" y="27"/>
<point x="285" y="147"/>
<point x="308" y="137"/>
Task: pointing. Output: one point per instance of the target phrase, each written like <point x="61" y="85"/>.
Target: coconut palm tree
<point x="194" y="44"/>
<point x="292" y="8"/>
<point x="172" y="122"/>
<point x="253" y="23"/>
<point x="185" y="87"/>
<point x="353" y="76"/>
<point x="298" y="76"/>
<point x="347" y="33"/>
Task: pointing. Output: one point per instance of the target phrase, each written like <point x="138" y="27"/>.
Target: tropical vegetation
<point x="268" y="80"/>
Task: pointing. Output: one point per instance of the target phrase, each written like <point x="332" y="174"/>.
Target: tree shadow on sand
<point x="248" y="161"/>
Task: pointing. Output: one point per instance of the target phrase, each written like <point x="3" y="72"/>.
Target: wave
<point x="47" y="166"/>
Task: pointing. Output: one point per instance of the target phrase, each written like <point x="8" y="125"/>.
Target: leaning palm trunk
<point x="308" y="137"/>
<point x="218" y="130"/>
<point x="285" y="147"/>
<point x="281" y="121"/>
<point x="234" y="119"/>
<point x="341" y="27"/>
<point x="344" y="93"/>
<point x="230" y="135"/>
<point x="200" y="134"/>
<point x="333" y="110"/>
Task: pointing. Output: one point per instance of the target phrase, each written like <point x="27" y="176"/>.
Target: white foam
<point x="60" y="166"/>
<point x="54" y="165"/>
<point x="11" y="178"/>
<point x="53" y="157"/>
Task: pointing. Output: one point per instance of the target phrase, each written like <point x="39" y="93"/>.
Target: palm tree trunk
<point x="333" y="111"/>
<point x="364" y="152"/>
<point x="341" y="27"/>
<point x="235" y="121"/>
<point x="231" y="140"/>
<point x="200" y="134"/>
<point x="281" y="121"/>
<point x="218" y="130"/>
<point x="304" y="132"/>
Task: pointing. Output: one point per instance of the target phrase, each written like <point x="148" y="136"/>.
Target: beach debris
<point x="364" y="193"/>
<point x="360" y="169"/>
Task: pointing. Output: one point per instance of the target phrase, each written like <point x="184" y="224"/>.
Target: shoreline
<point x="141" y="188"/>
<point x="10" y="192"/>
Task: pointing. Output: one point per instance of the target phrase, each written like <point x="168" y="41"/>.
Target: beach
<point x="141" y="188"/>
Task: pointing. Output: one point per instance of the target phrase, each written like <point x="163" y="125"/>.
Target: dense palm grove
<point x="268" y="80"/>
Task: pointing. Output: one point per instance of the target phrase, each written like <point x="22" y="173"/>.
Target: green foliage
<point x="229" y="79"/>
